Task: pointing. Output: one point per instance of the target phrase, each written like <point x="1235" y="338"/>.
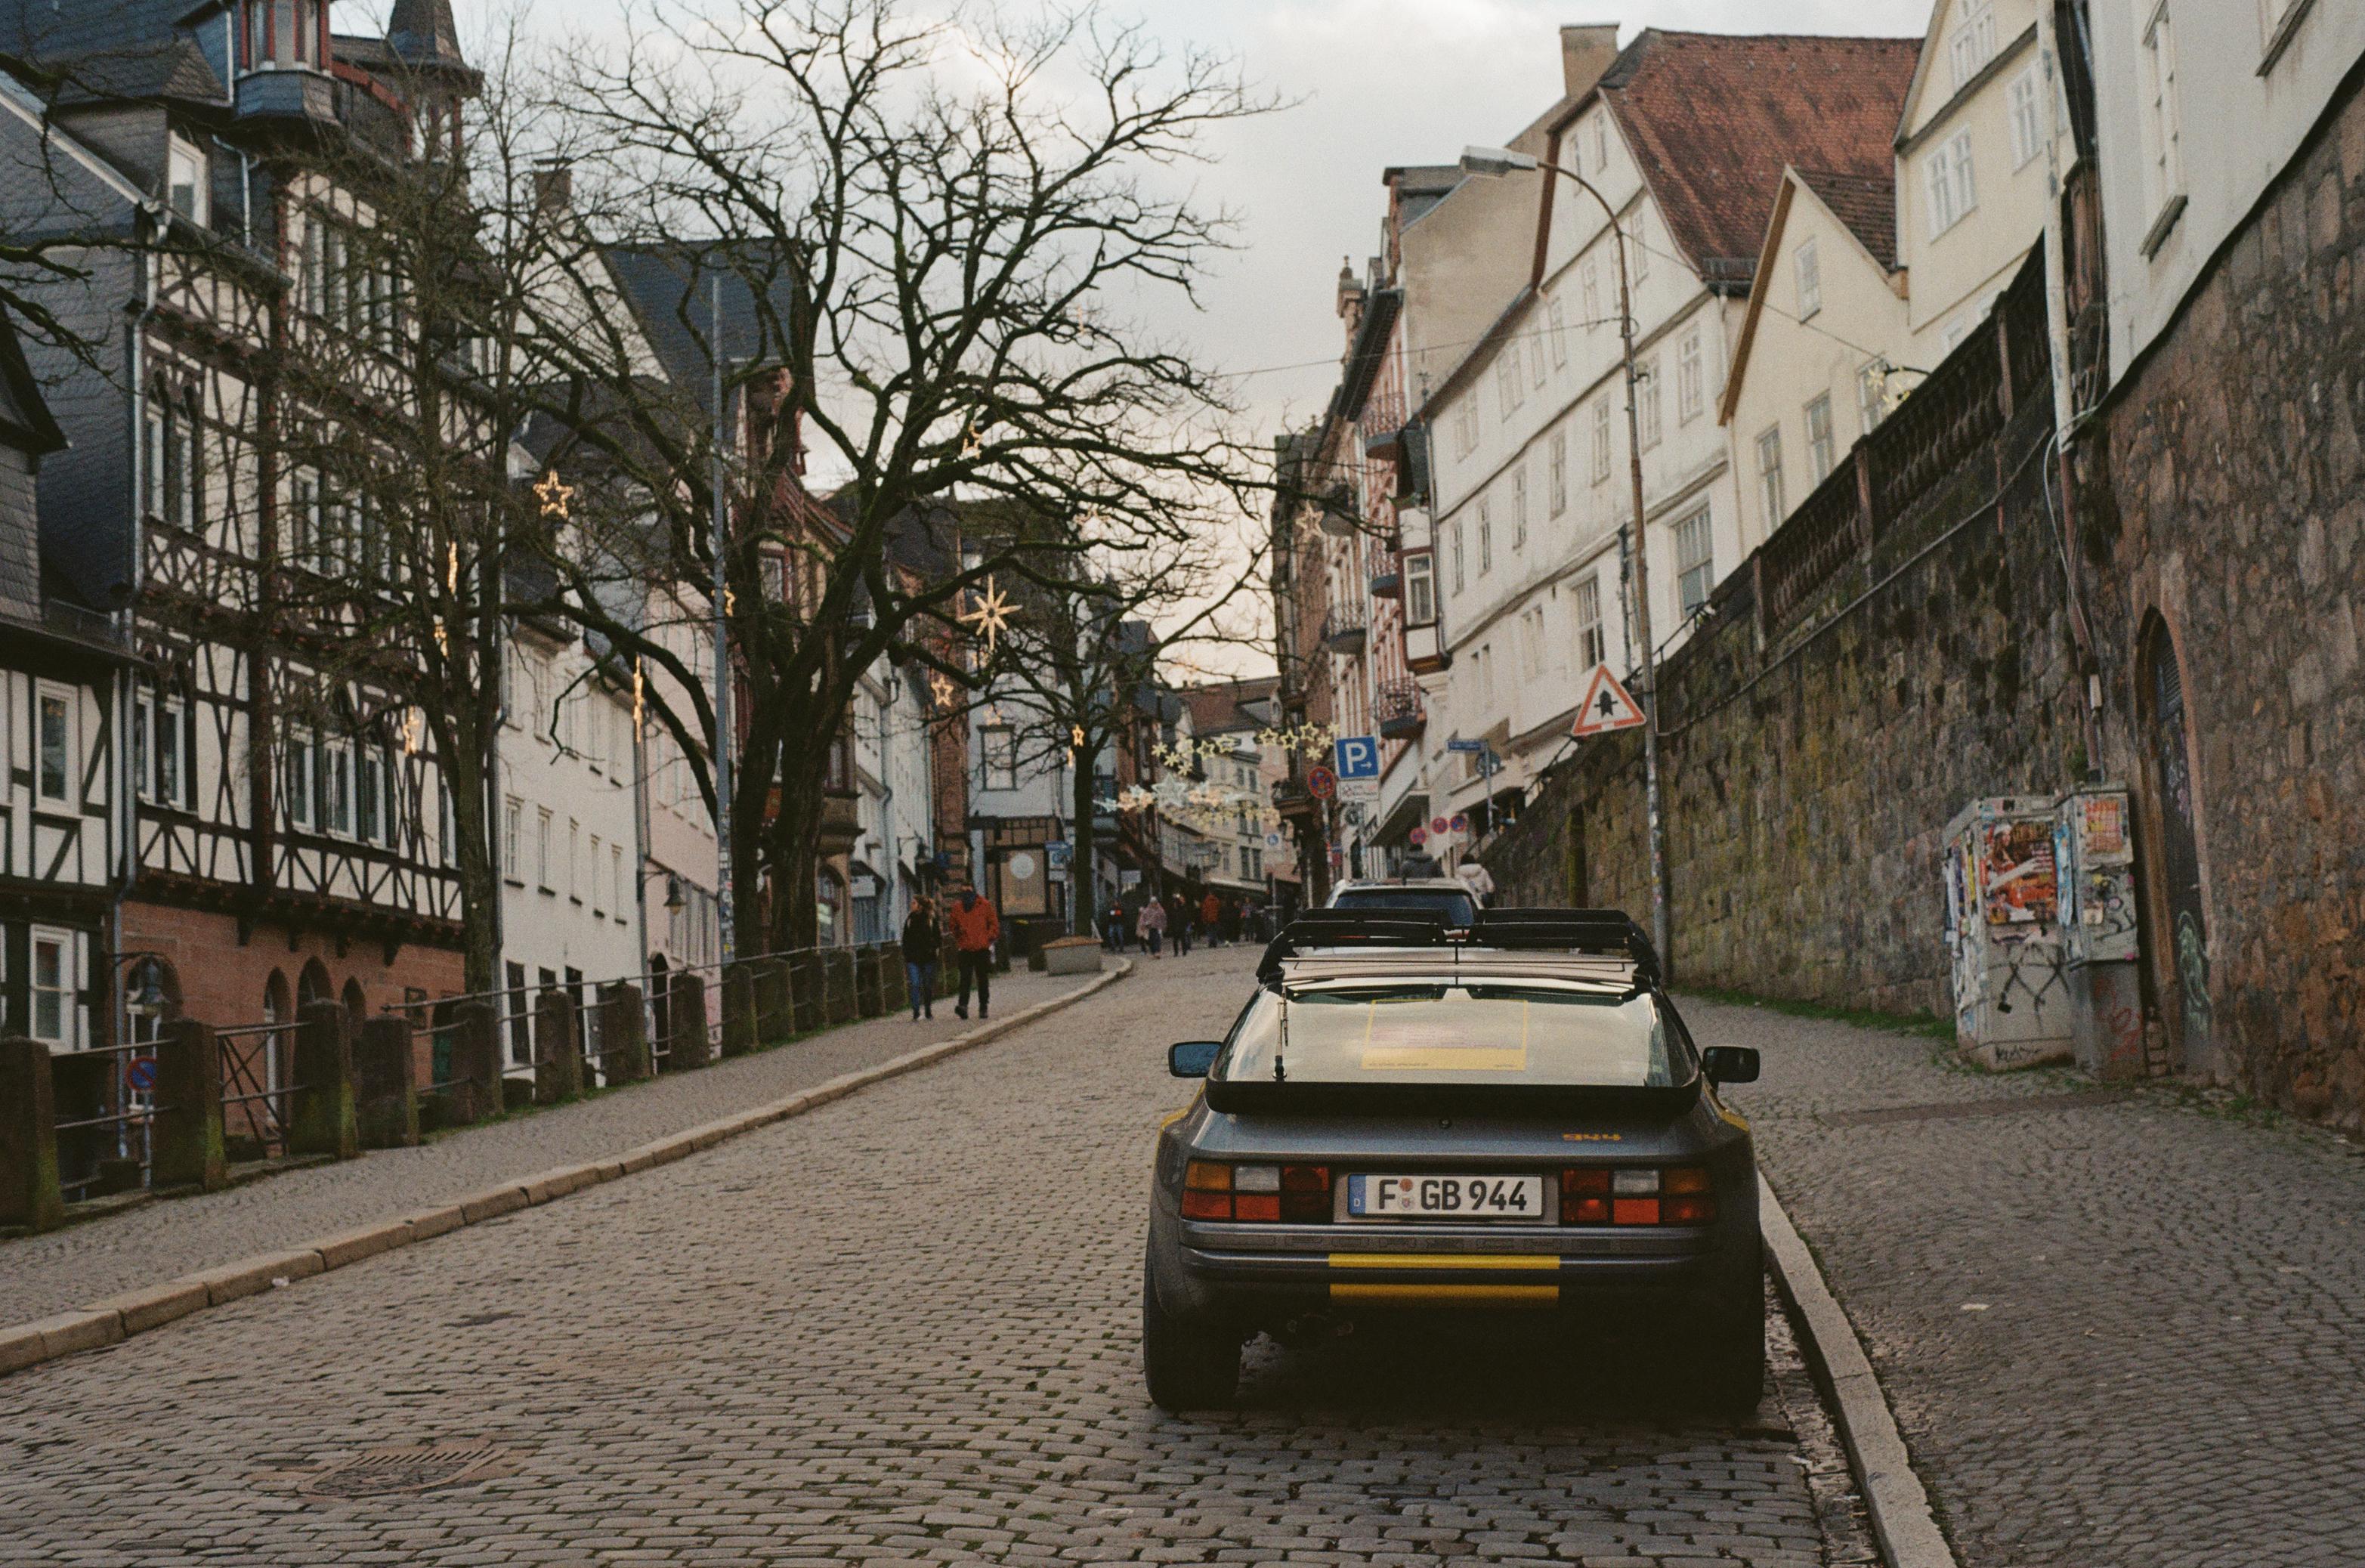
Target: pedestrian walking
<point x="975" y="925"/>
<point x="1231" y="920"/>
<point x="1152" y="926"/>
<point x="921" y="939"/>
<point x="1178" y="920"/>
<point x="1211" y="910"/>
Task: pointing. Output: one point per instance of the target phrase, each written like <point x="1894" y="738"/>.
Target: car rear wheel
<point x="1190" y="1366"/>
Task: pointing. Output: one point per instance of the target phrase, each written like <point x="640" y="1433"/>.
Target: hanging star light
<point x="943" y="687"/>
<point x="971" y="445"/>
<point x="452" y="567"/>
<point x="412" y="721"/>
<point x="554" y="493"/>
<point x="991" y="616"/>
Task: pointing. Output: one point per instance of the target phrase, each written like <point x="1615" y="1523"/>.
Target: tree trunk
<point x="1083" y="886"/>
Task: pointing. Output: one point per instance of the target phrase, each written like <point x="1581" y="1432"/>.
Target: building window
<point x="1648" y="394"/>
<point x="1509" y="393"/>
<point x="369" y="795"/>
<point x="52" y="998"/>
<point x="1465" y="426"/>
<point x="1601" y="440"/>
<point x="1588" y="282"/>
<point x="542" y="849"/>
<point x="1519" y="507"/>
<point x="599" y="886"/>
<point x="1591" y="644"/>
<point x="53" y="766"/>
<point x="2163" y="156"/>
<point x="337" y="794"/>
<point x="2027" y="131"/>
<point x="1532" y="642"/>
<point x="997" y="751"/>
<point x="574" y="861"/>
<point x="1973" y="43"/>
<point x="616" y="874"/>
<point x="1695" y="560"/>
<point x="1638" y="245"/>
<point x="1454" y="540"/>
<point x="447" y="826"/>
<point x="1821" y="452"/>
<point x="1601" y="143"/>
<point x="1872" y="395"/>
<point x="187" y="188"/>
<point x="1556" y="473"/>
<point x="1485" y="534"/>
<point x="159" y="748"/>
<point x="1769" y="477"/>
<point x="1953" y="191"/>
<point x="1691" y="378"/>
<point x="1810" y="269"/>
<point x="1559" y="319"/>
<point x="303" y="780"/>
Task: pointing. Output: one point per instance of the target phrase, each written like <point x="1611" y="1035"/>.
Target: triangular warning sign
<point x="1608" y="706"/>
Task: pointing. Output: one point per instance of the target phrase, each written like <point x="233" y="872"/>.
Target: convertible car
<point x="1408" y="1119"/>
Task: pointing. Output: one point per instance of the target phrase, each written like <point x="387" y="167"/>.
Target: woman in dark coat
<point x="919" y="938"/>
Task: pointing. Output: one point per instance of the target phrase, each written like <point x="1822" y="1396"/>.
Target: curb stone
<point x="1893" y="1495"/>
<point x="133" y="1312"/>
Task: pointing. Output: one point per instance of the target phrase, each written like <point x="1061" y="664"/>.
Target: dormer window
<point x="278" y="33"/>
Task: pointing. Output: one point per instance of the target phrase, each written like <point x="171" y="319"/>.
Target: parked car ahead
<point x="1401" y="1121"/>
<point x="1445" y="897"/>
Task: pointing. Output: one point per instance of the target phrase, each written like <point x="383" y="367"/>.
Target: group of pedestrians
<point x="1155" y="922"/>
<point x="973" y="925"/>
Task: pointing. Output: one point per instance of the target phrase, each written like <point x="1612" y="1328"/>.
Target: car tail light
<point x="1600" y="1194"/>
<point x="1256" y="1193"/>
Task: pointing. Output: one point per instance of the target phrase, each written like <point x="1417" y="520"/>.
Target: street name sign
<point x="1465" y="745"/>
<point x="1608" y="706"/>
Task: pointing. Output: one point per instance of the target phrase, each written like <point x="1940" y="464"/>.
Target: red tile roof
<point x="1866" y="203"/>
<point x="1713" y="119"/>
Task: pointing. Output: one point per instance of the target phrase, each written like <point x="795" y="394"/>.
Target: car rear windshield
<point x="1457" y="1032"/>
<point x="1458" y="909"/>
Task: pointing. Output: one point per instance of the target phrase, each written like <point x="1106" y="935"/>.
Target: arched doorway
<point x="356" y="1006"/>
<point x="2180" y="957"/>
<point x="314" y="985"/>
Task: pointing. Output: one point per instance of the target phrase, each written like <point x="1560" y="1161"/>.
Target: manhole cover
<point x="388" y="1472"/>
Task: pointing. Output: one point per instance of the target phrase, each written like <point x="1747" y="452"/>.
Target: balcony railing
<point x="1343" y="630"/>
<point x="1398" y="708"/>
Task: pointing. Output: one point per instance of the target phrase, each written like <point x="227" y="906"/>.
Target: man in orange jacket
<point x="975" y="925"/>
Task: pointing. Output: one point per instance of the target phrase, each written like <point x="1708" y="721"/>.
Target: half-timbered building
<point x="288" y="834"/>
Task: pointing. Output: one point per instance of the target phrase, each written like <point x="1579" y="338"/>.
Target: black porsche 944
<point x="1408" y="1118"/>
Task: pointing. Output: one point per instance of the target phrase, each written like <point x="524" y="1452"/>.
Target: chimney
<point x="1586" y="54"/>
<point x="553" y="186"/>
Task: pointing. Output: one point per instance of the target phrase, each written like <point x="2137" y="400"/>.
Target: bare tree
<point x="920" y="291"/>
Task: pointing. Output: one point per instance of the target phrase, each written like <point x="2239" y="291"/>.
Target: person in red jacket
<point x="975" y="925"/>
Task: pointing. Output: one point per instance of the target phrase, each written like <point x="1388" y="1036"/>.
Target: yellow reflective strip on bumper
<point x="1446" y="1296"/>
<point x="1540" y="1261"/>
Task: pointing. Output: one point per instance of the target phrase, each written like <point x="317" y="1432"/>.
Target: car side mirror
<point x="1193" y="1059"/>
<point x="1729" y="1064"/>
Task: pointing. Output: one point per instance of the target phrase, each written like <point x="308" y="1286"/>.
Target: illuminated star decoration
<point x="991" y="616"/>
<point x="554" y="493"/>
<point x="971" y="445"/>
<point x="411" y="728"/>
<point x="942" y="686"/>
<point x="452" y="567"/>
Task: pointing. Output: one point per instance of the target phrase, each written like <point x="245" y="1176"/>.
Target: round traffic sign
<point x="1461" y="823"/>
<point x="1438" y="825"/>
<point x="1320" y="782"/>
<point x="140" y="1074"/>
<point x="1418" y="835"/>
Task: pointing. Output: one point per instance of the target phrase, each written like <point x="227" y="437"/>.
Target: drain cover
<point x="381" y="1472"/>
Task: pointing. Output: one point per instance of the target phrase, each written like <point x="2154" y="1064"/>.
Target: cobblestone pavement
<point x="2119" y="1333"/>
<point x="900" y="1329"/>
<point x="66" y="1269"/>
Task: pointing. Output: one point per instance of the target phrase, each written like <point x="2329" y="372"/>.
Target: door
<point x="2184" y="964"/>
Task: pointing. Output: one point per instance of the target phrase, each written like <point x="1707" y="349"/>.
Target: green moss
<point x="1924" y="1023"/>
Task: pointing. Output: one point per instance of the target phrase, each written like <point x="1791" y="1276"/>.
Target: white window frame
<point x="1691" y="378"/>
<point x="1588" y="285"/>
<point x="1556" y="472"/>
<point x="1950" y="183"/>
<point x="2163" y="129"/>
<point x="1872" y="395"/>
<point x="184" y="157"/>
<point x="542" y="824"/>
<point x="1822" y="447"/>
<point x="338" y="777"/>
<point x="1769" y="476"/>
<point x="1592" y="642"/>
<point x="63" y="991"/>
<point x="1809" y="267"/>
<point x="1485" y="534"/>
<point x="1453" y="539"/>
<point x="2021" y="97"/>
<point x="1602" y="441"/>
<point x="1532" y="642"/>
<point x="68" y="702"/>
<point x="1650" y="414"/>
<point x="1972" y="42"/>
<point x="300" y="780"/>
<point x="513" y="840"/>
<point x="1508" y="391"/>
<point x="992" y="739"/>
<point x="1519" y="505"/>
<point x="1559" y="319"/>
<point x="616" y="870"/>
<point x="1695" y="571"/>
<point x="1637" y="246"/>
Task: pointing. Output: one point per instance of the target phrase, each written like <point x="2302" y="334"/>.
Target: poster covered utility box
<point x="2041" y="931"/>
<point x="2003" y="932"/>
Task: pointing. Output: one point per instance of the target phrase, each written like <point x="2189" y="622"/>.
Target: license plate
<point x="1445" y="1197"/>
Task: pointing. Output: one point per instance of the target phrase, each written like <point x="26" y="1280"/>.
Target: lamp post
<point x="1496" y="162"/>
<point x="726" y="706"/>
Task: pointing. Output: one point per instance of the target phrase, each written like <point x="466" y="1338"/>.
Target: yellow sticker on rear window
<point x="1416" y="1044"/>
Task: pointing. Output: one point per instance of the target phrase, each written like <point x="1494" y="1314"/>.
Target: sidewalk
<point x="2116" y="1329"/>
<point x="65" y="1268"/>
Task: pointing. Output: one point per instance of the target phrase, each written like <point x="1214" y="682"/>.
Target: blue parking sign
<point x="1359" y="756"/>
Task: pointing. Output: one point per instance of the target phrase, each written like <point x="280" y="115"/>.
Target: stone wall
<point x="2226" y="515"/>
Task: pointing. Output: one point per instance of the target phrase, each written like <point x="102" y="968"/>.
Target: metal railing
<point x="136" y="1115"/>
<point x="251" y="1079"/>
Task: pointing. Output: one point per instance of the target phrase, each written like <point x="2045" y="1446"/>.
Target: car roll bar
<point x="1608" y="931"/>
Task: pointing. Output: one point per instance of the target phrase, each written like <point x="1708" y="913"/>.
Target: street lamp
<point x="1494" y="163"/>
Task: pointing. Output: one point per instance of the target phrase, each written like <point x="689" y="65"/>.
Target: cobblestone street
<point x="901" y="1328"/>
<point x="2117" y="1332"/>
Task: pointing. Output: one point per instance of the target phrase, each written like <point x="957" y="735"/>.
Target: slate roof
<point x="173" y="67"/>
<point x="669" y="289"/>
<point x="1714" y="118"/>
<point x="1216" y="707"/>
<point x="1866" y="203"/>
<point x="45" y="30"/>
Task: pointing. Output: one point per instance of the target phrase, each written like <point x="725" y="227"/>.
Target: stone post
<point x="477" y="1061"/>
<point x="689" y="1048"/>
<point x="895" y="986"/>
<point x="870" y="983"/>
<point x="775" y="1019"/>
<point x="805" y="992"/>
<point x="738" y="1010"/>
<point x="385" y="1078"/>
<point x="187" y="1147"/>
<point x="29" y="1194"/>
<point x="322" y="1119"/>
<point x="839" y="990"/>
<point x="624" y="1030"/>
<point x="557" y="1060"/>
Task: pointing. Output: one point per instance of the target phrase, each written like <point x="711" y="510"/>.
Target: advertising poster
<point x="2017" y="879"/>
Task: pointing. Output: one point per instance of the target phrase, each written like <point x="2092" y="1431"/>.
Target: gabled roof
<point x="1216" y="707"/>
<point x="25" y="421"/>
<point x="670" y="290"/>
<point x="172" y="67"/>
<point x="1866" y="204"/>
<point x="1712" y="119"/>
